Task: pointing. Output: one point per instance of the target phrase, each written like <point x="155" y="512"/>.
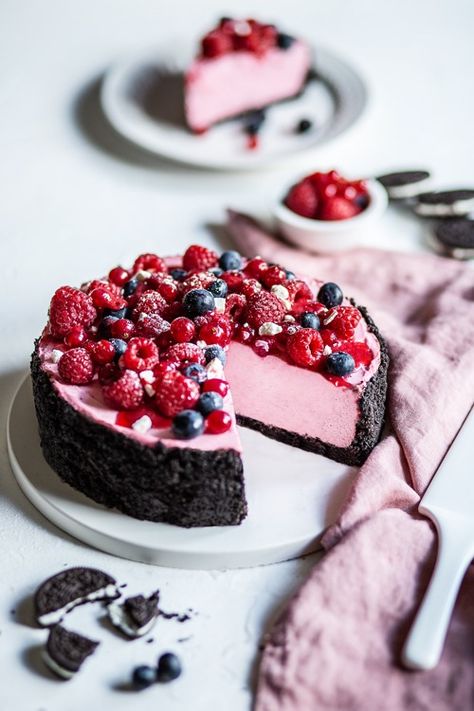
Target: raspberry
<point x="302" y="199"/>
<point x="185" y="353"/>
<point x="176" y="393"/>
<point x="273" y="275"/>
<point x="235" y="306"/>
<point x="298" y="289"/>
<point x="149" y="263"/>
<point x="141" y="354"/>
<point x="172" y="311"/>
<point x="250" y="287"/>
<point x="218" y="421"/>
<point x="119" y="276"/>
<point x="76" y="367"/>
<point x="302" y="305"/>
<point x="102" y="352"/>
<point x="337" y="208"/>
<point x="151" y="325"/>
<point x="264" y="307"/>
<point x="263" y="346"/>
<point x="214" y="385"/>
<point x="200" y="280"/>
<point x="70" y="307"/>
<point x="103" y="284"/>
<point x="305" y="347"/>
<point x="150" y="302"/>
<point x="126" y="393"/>
<point x="199" y="259"/>
<point x="162" y="368"/>
<point x="76" y="337"/>
<point x="183" y="329"/>
<point x="216" y="43"/>
<point x="343" y="320"/>
<point x="217" y="330"/>
<point x="234" y="280"/>
<point x="244" y="334"/>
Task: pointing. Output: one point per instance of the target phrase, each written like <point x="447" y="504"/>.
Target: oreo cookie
<point x="445" y="203"/>
<point x="65" y="651"/>
<point x="136" y="615"/>
<point x="456" y="237"/>
<point x="75" y="586"/>
<point x="405" y="184"/>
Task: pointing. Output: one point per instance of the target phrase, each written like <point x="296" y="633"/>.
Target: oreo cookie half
<point x="456" y="236"/>
<point x="445" y="203"/>
<point x="64" y="591"/>
<point x="66" y="651"/>
<point x="405" y="184"/>
<point x="136" y="615"/>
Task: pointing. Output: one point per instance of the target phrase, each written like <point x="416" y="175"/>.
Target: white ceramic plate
<point x="142" y="98"/>
<point x="292" y="495"/>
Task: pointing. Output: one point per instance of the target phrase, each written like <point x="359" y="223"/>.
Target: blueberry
<point x="310" y="320"/>
<point x="216" y="271"/>
<point x="188" y="424"/>
<point x="230" y="261"/>
<point x="208" y="402"/>
<point x="119" y="346"/>
<point x="169" y="667"/>
<point x="361" y="201"/>
<point x="291" y="276"/>
<point x="215" y="351"/>
<point x="218" y="288"/>
<point x="130" y="287"/>
<point x="198" y="302"/>
<point x="284" y="41"/>
<point x="254" y="122"/>
<point x="330" y="295"/>
<point x="195" y="372"/>
<point x="178" y="274"/>
<point x="303" y="126"/>
<point x="143" y="676"/>
<point x="340" y="363"/>
<point x="118" y="313"/>
<point x="104" y="326"/>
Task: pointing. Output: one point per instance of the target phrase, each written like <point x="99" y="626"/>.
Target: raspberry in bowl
<point x="326" y="212"/>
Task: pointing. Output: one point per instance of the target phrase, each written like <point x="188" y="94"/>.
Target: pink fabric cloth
<point x="336" y="646"/>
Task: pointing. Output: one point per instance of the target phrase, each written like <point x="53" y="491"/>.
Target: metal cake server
<point x="449" y="503"/>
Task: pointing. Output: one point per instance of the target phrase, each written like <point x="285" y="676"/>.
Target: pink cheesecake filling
<point x="229" y="85"/>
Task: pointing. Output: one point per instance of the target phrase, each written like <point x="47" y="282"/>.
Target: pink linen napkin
<point x="337" y="644"/>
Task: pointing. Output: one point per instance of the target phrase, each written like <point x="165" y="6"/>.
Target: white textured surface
<point x="72" y="204"/>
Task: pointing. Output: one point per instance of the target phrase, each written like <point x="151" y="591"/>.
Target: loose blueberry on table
<point x="327" y="196"/>
<point x="159" y="363"/>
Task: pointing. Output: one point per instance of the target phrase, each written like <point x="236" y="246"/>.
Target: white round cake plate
<point x="292" y="497"/>
<point x="142" y="98"/>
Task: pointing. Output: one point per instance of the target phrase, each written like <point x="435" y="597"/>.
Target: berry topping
<point x="304" y="125"/>
<point x="198" y="302"/>
<point x="218" y="330"/>
<point x="235" y="306"/>
<point x="126" y="393"/>
<point x="215" y="43"/>
<point x="103" y="297"/>
<point x="76" y="366"/>
<point x="214" y="385"/>
<point x="338" y="208"/>
<point x="305" y="347"/>
<point x="218" y="288"/>
<point x="285" y="41"/>
<point x="122" y="328"/>
<point x="149" y="263"/>
<point x="188" y="424"/>
<point x="150" y="302"/>
<point x="178" y="274"/>
<point x="255" y="267"/>
<point x="70" y="307"/>
<point x="359" y="351"/>
<point x="218" y="421"/>
<point x="273" y="276"/>
<point x="309" y="319"/>
<point x="196" y="372"/>
<point x="76" y="337"/>
<point x="182" y="329"/>
<point x="230" y="261"/>
<point x="151" y="325"/>
<point x="199" y="259"/>
<point x="185" y="353"/>
<point x="302" y="199"/>
<point x="119" y="276"/>
<point x="103" y="352"/>
<point x="176" y="393"/>
<point x="330" y="295"/>
<point x="215" y="351"/>
<point x="253" y="123"/>
<point x="264" y="307"/>
<point x="340" y="363"/>
<point x="141" y="354"/>
<point x="209" y="402"/>
<point x="130" y="287"/>
<point x="169" y="667"/>
<point x="143" y="676"/>
<point x="119" y="346"/>
<point x="343" y="320"/>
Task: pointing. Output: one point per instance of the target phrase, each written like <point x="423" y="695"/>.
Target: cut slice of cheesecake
<point x="140" y="380"/>
<point x="243" y="66"/>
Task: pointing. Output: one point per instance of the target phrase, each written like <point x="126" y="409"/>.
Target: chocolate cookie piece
<point x="405" y="184"/>
<point x="136" y="615"/>
<point x="445" y="203"/>
<point x="64" y="591"/>
<point x="456" y="237"/>
<point x="66" y="651"/>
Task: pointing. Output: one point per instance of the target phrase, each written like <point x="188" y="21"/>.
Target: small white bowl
<point x="333" y="235"/>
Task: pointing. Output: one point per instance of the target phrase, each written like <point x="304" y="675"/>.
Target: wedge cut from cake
<point x="141" y="377"/>
<point x="243" y="65"/>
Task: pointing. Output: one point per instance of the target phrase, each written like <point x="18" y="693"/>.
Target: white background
<point x="74" y="199"/>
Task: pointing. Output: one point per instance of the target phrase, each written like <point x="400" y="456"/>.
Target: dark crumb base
<point x="186" y="487"/>
<point x="368" y="429"/>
